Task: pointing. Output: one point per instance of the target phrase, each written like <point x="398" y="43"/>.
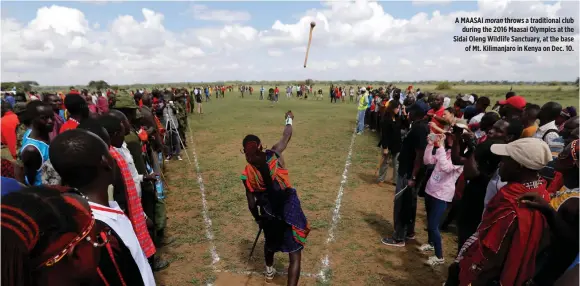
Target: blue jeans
<point x="435" y="209"/>
<point x="361" y="121"/>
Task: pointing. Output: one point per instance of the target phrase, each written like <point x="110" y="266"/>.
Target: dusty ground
<point x="316" y="158"/>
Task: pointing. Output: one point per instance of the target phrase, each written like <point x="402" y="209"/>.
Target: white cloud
<point x="405" y="62"/>
<point x="192" y="52"/>
<point x="358" y="39"/>
<point x="353" y="63"/>
<point x="202" y="12"/>
<point x="430" y="2"/>
<point x="275" y="53"/>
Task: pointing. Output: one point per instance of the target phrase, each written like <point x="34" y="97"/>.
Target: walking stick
<point x="255" y="241"/>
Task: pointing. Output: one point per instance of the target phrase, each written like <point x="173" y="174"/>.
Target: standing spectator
<point x="34" y="152"/>
<point x="391" y="140"/>
<point x="505" y="247"/>
<point x="512" y="107"/>
<point x="9" y="122"/>
<point x="102" y="103"/>
<point x="362" y="108"/>
<point x="439" y="191"/>
<point x="54" y="101"/>
<point x="436" y="114"/>
<point x="480" y="164"/>
<point x="529" y="119"/>
<point x="410" y="163"/>
<point x="42" y="227"/>
<point x="276" y="94"/>
<point x="9" y="99"/>
<point x="199" y="100"/>
<point x="262" y="92"/>
<point x="566" y="114"/>
<point x="561" y="214"/>
<point x="77" y="109"/>
<point x="481" y="105"/>
<point x="548" y="130"/>
<point x="351" y="93"/>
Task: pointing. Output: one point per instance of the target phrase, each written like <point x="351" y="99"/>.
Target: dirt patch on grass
<point x="255" y="279"/>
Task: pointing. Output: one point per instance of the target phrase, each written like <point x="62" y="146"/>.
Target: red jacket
<point x="9" y="122"/>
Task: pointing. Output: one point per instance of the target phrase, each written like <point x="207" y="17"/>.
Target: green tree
<point x="98" y="84"/>
<point x="444" y="85"/>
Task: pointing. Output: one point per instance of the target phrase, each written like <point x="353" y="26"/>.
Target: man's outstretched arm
<point x="286" y="135"/>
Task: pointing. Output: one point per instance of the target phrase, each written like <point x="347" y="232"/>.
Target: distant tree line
<point x="26" y="85"/>
<point x="101" y="84"/>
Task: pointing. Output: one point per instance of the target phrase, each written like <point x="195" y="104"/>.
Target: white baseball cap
<point x="531" y="153"/>
<point x="469" y="98"/>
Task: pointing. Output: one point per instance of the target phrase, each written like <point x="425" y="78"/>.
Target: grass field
<point x="316" y="159"/>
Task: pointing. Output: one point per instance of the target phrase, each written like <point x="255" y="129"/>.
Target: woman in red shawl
<point x="48" y="238"/>
<point x="509" y="238"/>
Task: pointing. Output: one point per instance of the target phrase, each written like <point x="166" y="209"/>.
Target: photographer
<point x="172" y="139"/>
<point x="480" y="164"/>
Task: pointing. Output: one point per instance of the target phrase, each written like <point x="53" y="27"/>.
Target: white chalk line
<point x="325" y="261"/>
<point x="257" y="273"/>
<point x="208" y="225"/>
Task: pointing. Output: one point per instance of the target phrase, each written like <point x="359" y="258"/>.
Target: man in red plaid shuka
<point x="134" y="209"/>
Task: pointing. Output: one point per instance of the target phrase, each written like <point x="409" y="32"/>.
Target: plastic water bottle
<point x="159" y="188"/>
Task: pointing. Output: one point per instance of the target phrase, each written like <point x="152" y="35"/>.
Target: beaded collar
<point x="83" y="236"/>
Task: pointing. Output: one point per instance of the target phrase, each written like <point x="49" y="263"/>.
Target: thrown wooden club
<point x="312" y="25"/>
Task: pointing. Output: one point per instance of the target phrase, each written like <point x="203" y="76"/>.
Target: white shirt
<point x="476" y="119"/>
<point x="114" y="217"/>
<point x="542" y="131"/>
<point x="129" y="159"/>
<point x="493" y="187"/>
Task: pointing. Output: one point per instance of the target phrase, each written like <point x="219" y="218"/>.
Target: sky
<point x="129" y="42"/>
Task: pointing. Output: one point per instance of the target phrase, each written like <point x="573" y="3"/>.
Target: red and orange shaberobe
<point x="280" y="205"/>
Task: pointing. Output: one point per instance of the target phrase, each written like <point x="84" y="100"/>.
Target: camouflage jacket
<point x="181" y="113"/>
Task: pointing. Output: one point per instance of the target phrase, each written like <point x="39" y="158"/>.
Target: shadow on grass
<point x="368" y="178"/>
<point x="410" y="260"/>
<point x="378" y="223"/>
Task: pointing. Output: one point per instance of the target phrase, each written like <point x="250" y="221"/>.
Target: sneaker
<point x="159" y="264"/>
<point x="426" y="247"/>
<point x="434" y="261"/>
<point x="393" y="242"/>
<point x="179" y="158"/>
<point x="167" y="158"/>
<point x="359" y="133"/>
<point x="270" y="273"/>
<point x="410" y="237"/>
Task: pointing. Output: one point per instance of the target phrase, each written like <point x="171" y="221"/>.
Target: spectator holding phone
<point x="439" y="191"/>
